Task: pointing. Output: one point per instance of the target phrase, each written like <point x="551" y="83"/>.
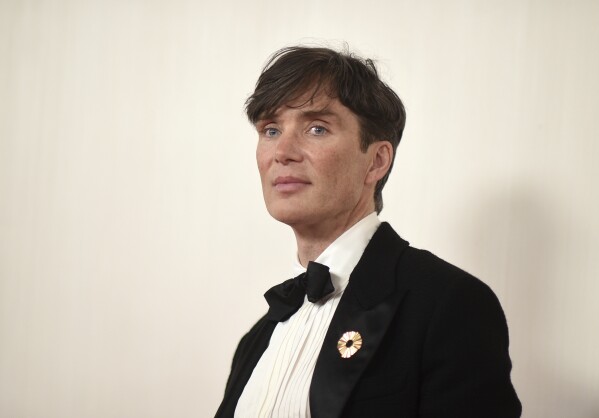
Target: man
<point x="370" y="327"/>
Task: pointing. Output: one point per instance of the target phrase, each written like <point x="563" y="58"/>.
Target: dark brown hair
<point x="354" y="81"/>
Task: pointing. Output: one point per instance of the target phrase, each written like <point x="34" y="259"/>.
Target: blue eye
<point x="270" y="132"/>
<point x="318" y="130"/>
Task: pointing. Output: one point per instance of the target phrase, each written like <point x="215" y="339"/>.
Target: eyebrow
<point x="306" y="114"/>
<point x="316" y="114"/>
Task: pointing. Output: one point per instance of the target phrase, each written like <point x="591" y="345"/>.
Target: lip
<point x="289" y="183"/>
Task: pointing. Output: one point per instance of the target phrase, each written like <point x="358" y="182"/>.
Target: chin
<point x="288" y="214"/>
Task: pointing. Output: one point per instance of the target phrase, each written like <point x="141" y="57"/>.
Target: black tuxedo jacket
<point x="435" y="343"/>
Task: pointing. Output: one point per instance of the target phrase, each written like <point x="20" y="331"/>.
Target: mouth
<point x="288" y="184"/>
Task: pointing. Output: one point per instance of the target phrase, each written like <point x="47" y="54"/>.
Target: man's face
<point x="312" y="168"/>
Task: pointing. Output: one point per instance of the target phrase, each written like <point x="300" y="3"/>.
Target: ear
<point x="382" y="156"/>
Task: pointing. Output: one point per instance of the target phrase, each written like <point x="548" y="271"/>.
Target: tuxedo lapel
<point x="365" y="307"/>
<point x="248" y="353"/>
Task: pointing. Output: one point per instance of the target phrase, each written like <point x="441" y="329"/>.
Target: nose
<point x="288" y="148"/>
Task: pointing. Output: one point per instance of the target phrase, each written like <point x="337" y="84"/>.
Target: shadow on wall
<point x="520" y="242"/>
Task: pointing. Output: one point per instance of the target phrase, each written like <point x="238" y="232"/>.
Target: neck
<point x="312" y="241"/>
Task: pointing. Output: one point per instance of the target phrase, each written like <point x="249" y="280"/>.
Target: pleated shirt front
<point x="280" y="383"/>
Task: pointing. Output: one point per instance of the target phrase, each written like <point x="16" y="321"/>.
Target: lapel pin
<point x="349" y="343"/>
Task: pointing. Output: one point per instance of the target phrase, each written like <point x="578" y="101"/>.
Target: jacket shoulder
<point x="424" y="271"/>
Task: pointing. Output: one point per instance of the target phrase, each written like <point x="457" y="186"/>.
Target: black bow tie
<point x="286" y="298"/>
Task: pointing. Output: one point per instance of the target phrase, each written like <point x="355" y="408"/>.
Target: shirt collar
<point x="343" y="254"/>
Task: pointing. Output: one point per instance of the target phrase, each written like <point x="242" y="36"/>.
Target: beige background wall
<point x="134" y="246"/>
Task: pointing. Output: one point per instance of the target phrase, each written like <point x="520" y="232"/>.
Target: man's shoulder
<point x="429" y="266"/>
<point x="432" y="277"/>
<point x="421" y="269"/>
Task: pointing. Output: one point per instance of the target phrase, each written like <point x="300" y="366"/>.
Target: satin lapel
<point x="367" y="306"/>
<point x="250" y="349"/>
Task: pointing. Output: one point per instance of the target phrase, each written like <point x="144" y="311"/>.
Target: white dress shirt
<point x="280" y="383"/>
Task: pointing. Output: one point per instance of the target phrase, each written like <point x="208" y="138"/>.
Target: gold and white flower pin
<point x="349" y="343"/>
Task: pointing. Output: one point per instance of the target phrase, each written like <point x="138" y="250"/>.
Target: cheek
<point x="346" y="172"/>
<point x="339" y="166"/>
<point x="261" y="160"/>
<point x="337" y="174"/>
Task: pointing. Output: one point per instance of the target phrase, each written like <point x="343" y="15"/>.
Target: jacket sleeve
<point x="466" y="364"/>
